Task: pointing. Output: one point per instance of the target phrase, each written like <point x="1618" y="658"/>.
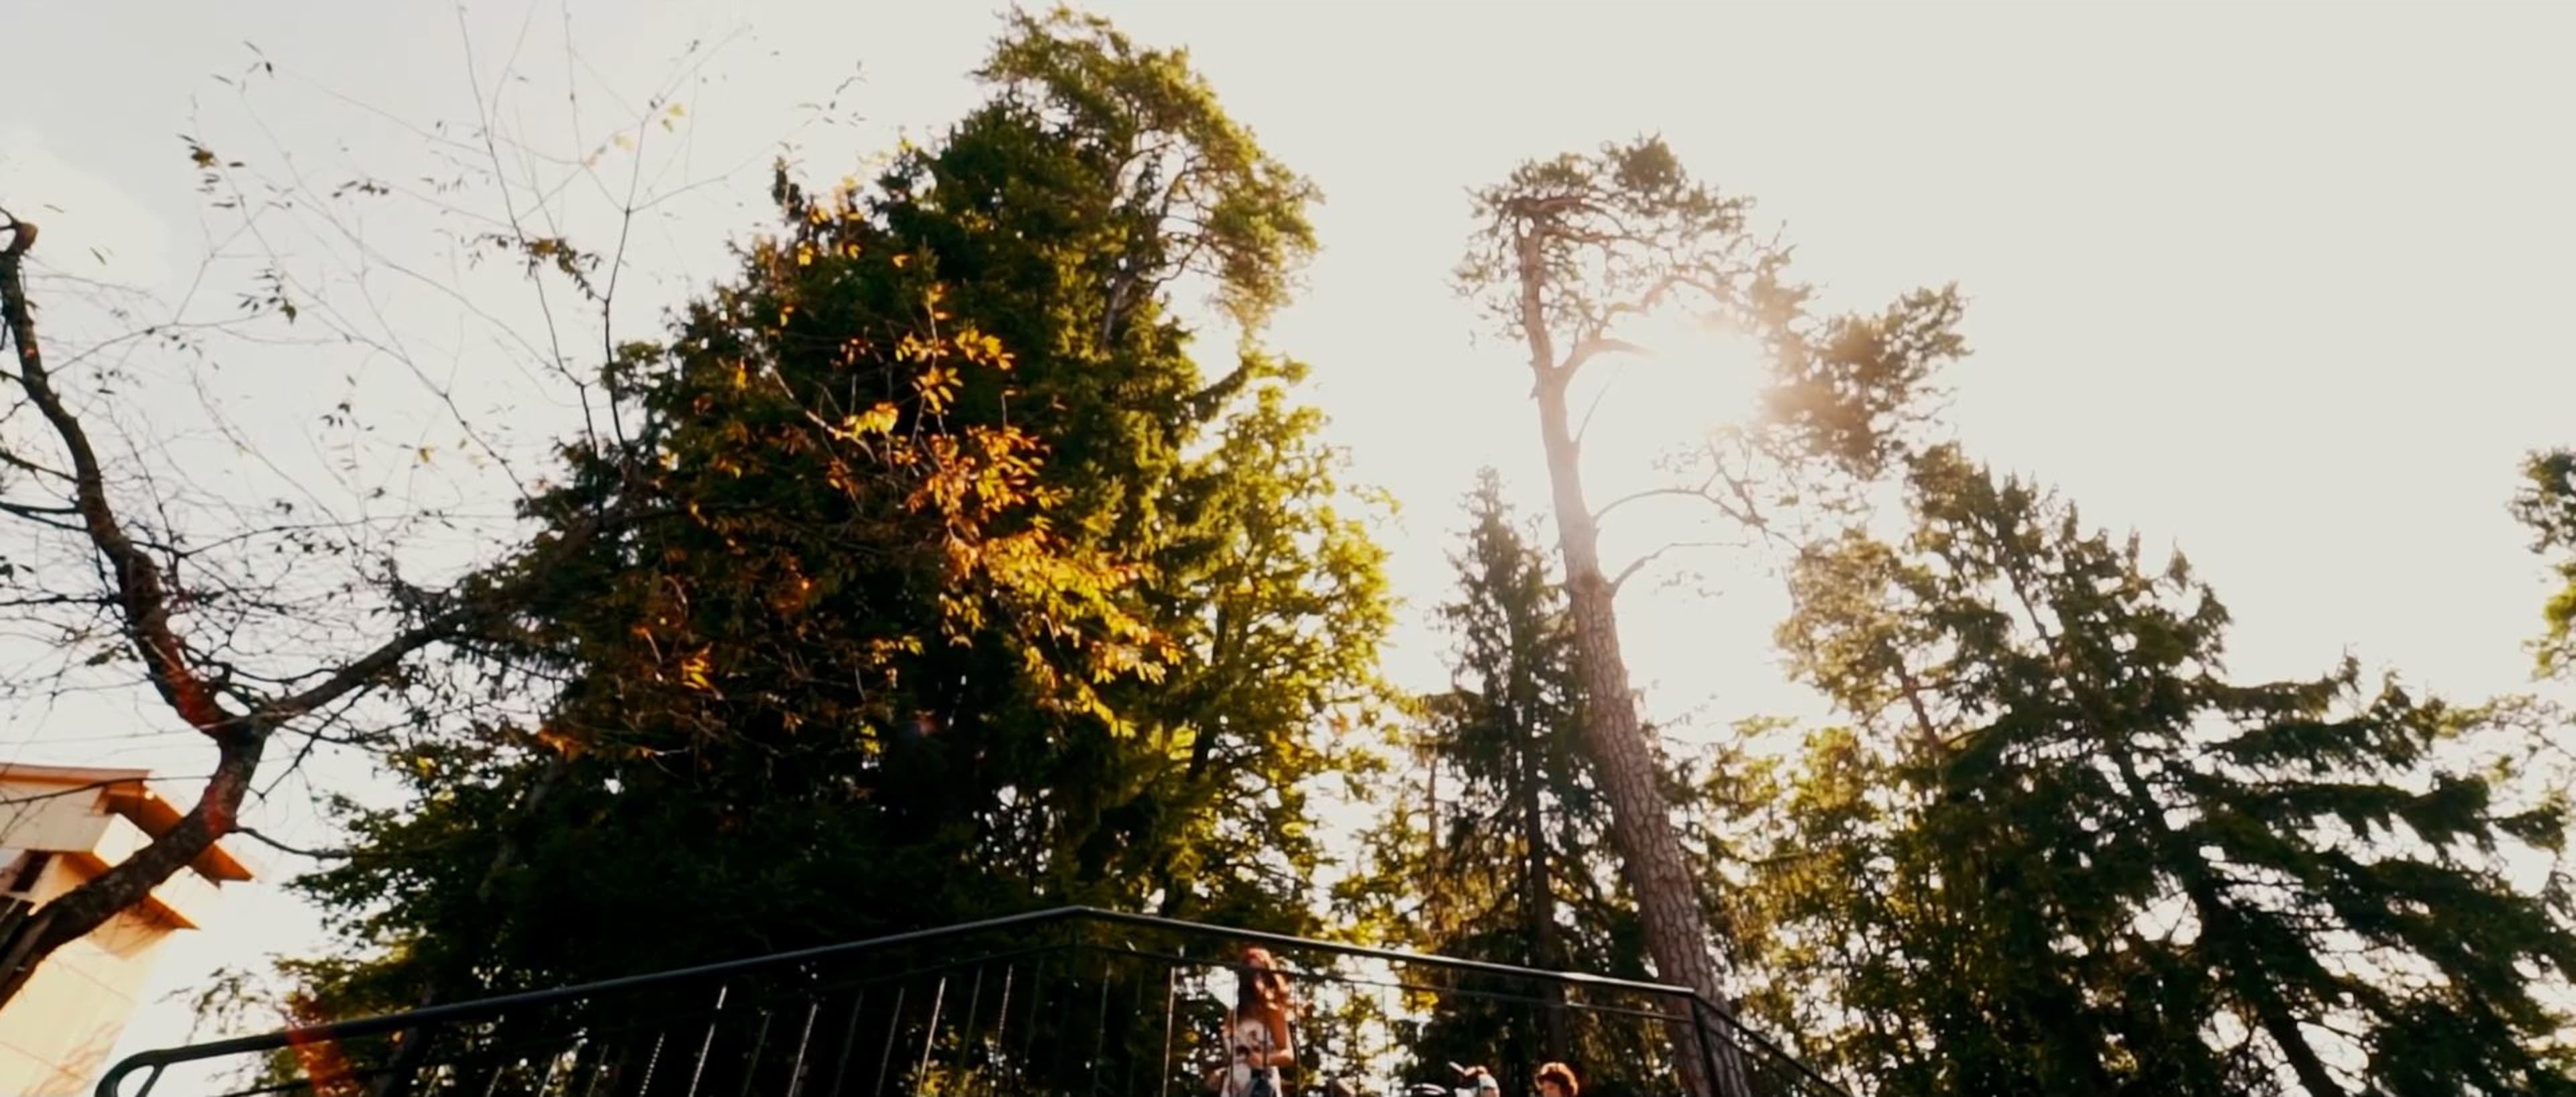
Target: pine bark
<point x="1641" y="826"/>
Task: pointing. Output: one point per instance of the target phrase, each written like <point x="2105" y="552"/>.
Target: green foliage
<point x="2547" y="504"/>
<point x="1493" y="843"/>
<point x="943" y="582"/>
<point x="2059" y="851"/>
<point x="1196" y="193"/>
<point x="951" y="586"/>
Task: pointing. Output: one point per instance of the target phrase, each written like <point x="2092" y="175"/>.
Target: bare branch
<point x="254" y="834"/>
<point x="146" y="595"/>
<point x="1587" y="349"/>
<point x="73" y="790"/>
<point x="17" y="462"/>
<point x="1639" y="564"/>
<point x="34" y="600"/>
<point x="42" y="516"/>
<point x="1701" y="492"/>
<point x="141" y="588"/>
<point x="483" y="121"/>
<point x="1583" y="429"/>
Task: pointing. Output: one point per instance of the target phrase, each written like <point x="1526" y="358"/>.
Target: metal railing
<point x="1071" y="1002"/>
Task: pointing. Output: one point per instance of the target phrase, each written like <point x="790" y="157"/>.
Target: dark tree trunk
<point x="1538" y="889"/>
<point x="73" y="914"/>
<point x="143" y="597"/>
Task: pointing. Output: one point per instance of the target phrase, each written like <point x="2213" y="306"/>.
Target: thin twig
<point x="254" y="834"/>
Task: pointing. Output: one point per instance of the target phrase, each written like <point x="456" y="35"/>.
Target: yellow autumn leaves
<point x="876" y="420"/>
<point x="977" y="486"/>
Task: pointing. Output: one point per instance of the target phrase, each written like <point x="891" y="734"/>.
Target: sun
<point x="1693" y="381"/>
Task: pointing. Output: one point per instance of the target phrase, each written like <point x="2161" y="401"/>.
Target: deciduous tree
<point x="982" y="596"/>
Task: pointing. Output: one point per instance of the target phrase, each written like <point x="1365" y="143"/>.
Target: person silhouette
<point x="1257" y="1030"/>
<point x="1557" y="1080"/>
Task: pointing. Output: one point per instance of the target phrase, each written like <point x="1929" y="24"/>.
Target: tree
<point x="215" y="688"/>
<point x="2547" y="504"/>
<point x="294" y="609"/>
<point x="1576" y="250"/>
<point x="1492" y="848"/>
<point x="2088" y="861"/>
<point x="982" y="596"/>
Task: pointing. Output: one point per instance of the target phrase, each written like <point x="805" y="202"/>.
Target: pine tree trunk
<point x="1538" y="890"/>
<point x="1641" y="826"/>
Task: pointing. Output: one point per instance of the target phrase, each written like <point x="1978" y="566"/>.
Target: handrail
<point x="159" y="1059"/>
<point x="1401" y="956"/>
<point x="1698" y="1001"/>
<point x="391" y="1022"/>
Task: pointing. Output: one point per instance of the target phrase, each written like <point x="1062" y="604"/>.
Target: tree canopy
<point x="967" y="546"/>
<point x="975" y="592"/>
<point x="2059" y="849"/>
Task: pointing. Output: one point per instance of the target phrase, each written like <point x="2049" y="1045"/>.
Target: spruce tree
<point x="2080" y="857"/>
<point x="1493" y="847"/>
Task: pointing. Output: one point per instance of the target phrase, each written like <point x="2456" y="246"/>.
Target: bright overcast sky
<point x="2283" y="285"/>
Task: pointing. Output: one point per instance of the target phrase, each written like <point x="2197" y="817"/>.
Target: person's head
<point x="1477" y="1080"/>
<point x="1557" y="1080"/>
<point x="1262" y="986"/>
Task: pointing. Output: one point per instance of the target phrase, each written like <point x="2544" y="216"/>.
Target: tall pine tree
<point x="1571" y="254"/>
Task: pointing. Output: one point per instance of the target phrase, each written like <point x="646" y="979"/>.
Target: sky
<point x="2276" y="284"/>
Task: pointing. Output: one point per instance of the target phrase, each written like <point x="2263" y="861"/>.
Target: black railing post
<point x="1001" y="1032"/>
<point x="968" y="1048"/>
<point x="653" y="1061"/>
<point x="751" y="1059"/>
<point x="849" y="1043"/>
<point x="1100" y="1025"/>
<point x="1708" y="1053"/>
<point x="707" y="1043"/>
<point x="885" y="1055"/>
<point x="930" y="1035"/>
<point x="804" y="1043"/>
<point x="1171" y="1005"/>
<point x="1029" y="1043"/>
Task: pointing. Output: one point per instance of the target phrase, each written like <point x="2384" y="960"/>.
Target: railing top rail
<point x="1369" y="952"/>
<point x="1724" y="1015"/>
<point x="158" y="1059"/>
<point x="485" y="1007"/>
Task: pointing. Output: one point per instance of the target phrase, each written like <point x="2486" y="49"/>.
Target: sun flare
<point x="1694" y="380"/>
